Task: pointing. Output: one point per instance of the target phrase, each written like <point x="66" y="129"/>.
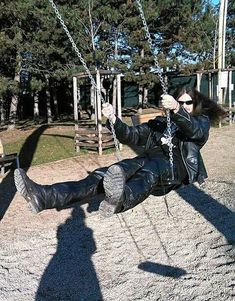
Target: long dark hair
<point x="202" y="105"/>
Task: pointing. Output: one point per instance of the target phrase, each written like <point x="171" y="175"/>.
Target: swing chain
<point x="168" y="122"/>
<point x="150" y="42"/>
<point x="93" y="82"/>
<point x="163" y="83"/>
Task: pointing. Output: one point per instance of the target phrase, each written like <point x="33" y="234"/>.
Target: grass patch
<point x="43" y="144"/>
<point x="47" y="147"/>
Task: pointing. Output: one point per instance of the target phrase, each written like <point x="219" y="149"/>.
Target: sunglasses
<point x="187" y="102"/>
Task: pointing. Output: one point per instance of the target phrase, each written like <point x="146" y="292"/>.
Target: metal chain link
<point x="163" y="84"/>
<point x="58" y="15"/>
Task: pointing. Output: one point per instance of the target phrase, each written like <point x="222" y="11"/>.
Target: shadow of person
<point x="70" y="275"/>
<point x="7" y="193"/>
<point x="220" y="216"/>
<point x="29" y="147"/>
<point x="7" y="186"/>
<point x="161" y="269"/>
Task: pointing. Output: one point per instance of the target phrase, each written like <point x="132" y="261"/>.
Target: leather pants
<point x="153" y="178"/>
<point x="143" y="177"/>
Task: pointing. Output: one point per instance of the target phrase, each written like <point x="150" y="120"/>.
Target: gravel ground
<point x="181" y="250"/>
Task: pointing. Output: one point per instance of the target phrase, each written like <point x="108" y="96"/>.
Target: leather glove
<point x="168" y="102"/>
<point x="108" y="111"/>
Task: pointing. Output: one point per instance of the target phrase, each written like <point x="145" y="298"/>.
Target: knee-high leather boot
<point x="58" y="195"/>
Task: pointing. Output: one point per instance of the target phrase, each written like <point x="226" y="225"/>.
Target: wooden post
<point x="75" y="101"/>
<point x="114" y="101"/>
<point x="210" y="85"/>
<point x="119" y="100"/>
<point x="98" y="113"/>
<point x="75" y="109"/>
<point x="93" y="102"/>
<point x="199" y="77"/>
<point x="79" y="100"/>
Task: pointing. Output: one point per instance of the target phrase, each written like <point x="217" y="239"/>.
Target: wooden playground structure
<point x="95" y="135"/>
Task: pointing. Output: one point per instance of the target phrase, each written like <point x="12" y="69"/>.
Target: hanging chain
<point x="58" y="15"/>
<point x="150" y="42"/>
<point x="163" y="83"/>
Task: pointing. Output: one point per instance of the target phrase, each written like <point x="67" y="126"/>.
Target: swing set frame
<point x="94" y="84"/>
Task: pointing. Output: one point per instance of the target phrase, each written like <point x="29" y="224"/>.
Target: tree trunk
<point x="103" y="90"/>
<point x="36" y="107"/>
<point x="48" y="101"/>
<point x="55" y="101"/>
<point x="13" y="106"/>
<point x="141" y="88"/>
<point x="140" y="105"/>
<point x="114" y="101"/>
<point x="93" y="95"/>
<point x="145" y="97"/>
<point x="2" y="112"/>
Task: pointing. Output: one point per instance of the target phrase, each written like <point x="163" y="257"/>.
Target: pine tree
<point x="109" y="35"/>
<point x="31" y="28"/>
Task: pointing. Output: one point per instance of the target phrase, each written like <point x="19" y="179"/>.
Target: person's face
<point x="186" y="101"/>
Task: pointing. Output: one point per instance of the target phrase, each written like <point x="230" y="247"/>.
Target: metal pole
<point x="98" y="113"/>
<point x="221" y="45"/>
<point x="119" y="101"/>
<point x="230" y="88"/>
<point x="224" y="31"/>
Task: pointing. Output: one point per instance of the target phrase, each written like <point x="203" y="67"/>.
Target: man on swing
<point x="130" y="181"/>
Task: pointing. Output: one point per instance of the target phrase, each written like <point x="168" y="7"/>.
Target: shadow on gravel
<point x="7" y="193"/>
<point x="161" y="269"/>
<point x="70" y="275"/>
<point x="7" y="186"/>
<point x="222" y="218"/>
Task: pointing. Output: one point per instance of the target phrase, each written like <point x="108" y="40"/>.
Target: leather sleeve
<point x="194" y="127"/>
<point x="131" y="135"/>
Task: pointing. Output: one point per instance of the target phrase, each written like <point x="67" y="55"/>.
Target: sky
<point x="215" y="2"/>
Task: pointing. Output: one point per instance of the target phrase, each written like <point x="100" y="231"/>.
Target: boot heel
<point x="106" y="209"/>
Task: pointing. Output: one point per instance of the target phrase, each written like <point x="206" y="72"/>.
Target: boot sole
<point x="114" y="183"/>
<point x="22" y="189"/>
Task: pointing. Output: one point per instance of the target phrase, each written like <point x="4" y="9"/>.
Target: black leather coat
<point x="193" y="130"/>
